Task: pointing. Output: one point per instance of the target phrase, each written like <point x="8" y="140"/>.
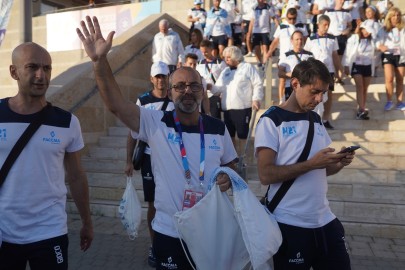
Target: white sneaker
<point x="249" y="54"/>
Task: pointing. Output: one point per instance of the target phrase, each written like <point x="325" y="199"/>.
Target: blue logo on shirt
<point x="51" y="139"/>
<point x="214" y="147"/>
<point x="173" y="138"/>
<point x="3" y="134"/>
<point x="289" y="131"/>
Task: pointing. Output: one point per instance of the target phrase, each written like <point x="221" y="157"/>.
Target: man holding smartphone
<point x="312" y="235"/>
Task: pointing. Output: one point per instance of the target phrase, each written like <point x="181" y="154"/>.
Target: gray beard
<point x="187" y="109"/>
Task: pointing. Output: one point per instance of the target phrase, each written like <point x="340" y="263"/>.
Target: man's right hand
<point x="93" y="41"/>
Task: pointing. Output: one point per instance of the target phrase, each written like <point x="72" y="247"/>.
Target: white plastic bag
<point x="212" y="233"/>
<point x="130" y="210"/>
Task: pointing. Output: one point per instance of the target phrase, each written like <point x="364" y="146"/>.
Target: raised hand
<point x="93" y="41"/>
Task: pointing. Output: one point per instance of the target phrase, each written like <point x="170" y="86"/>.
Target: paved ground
<point x="112" y="249"/>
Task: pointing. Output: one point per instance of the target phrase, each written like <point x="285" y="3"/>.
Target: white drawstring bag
<point x="211" y="232"/>
<point x="130" y="210"/>
<point x="260" y="230"/>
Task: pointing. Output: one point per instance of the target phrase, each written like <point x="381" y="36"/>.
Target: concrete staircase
<point x="368" y="196"/>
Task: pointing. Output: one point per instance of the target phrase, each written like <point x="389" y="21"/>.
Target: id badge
<point x="191" y="197"/>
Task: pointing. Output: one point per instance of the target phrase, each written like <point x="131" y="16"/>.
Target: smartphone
<point x="349" y="149"/>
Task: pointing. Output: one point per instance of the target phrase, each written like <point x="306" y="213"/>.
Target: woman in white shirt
<point x="359" y="62"/>
<point x="390" y="43"/>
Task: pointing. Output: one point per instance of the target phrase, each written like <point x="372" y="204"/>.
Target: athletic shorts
<point x="46" y="254"/>
<point x="332" y="84"/>
<point x="320" y="248"/>
<point x="342" y="41"/>
<point x="260" y="39"/>
<point x="391" y="59"/>
<point x="219" y="40"/>
<point x="215" y="106"/>
<point x="362" y="70"/>
<point x="237" y="122"/>
<point x="169" y="253"/>
<point x="148" y="180"/>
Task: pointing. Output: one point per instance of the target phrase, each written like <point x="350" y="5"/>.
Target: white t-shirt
<point x="33" y="197"/>
<point x="305" y="204"/>
<point x="210" y="71"/>
<point x="284" y="32"/>
<point x="191" y="49"/>
<point x="157" y="128"/>
<point x="262" y="16"/>
<point x="290" y="59"/>
<point x="324" y="4"/>
<point x="339" y="20"/>
<point x="322" y="47"/>
<point x="149" y="101"/>
<point x="198" y="13"/>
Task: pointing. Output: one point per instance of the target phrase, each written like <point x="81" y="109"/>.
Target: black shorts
<point x="215" y="106"/>
<point x="46" y="254"/>
<point x="362" y="70"/>
<point x="332" y="84"/>
<point x="219" y="40"/>
<point x="246" y="26"/>
<point x="237" y="121"/>
<point x="237" y="39"/>
<point x="148" y="180"/>
<point x="260" y="39"/>
<point x="342" y="41"/>
<point x="391" y="59"/>
<point x="169" y="253"/>
<point x="320" y="248"/>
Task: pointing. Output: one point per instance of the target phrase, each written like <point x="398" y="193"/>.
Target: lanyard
<point x="360" y="45"/>
<point x="319" y="42"/>
<point x="183" y="150"/>
<point x="298" y="57"/>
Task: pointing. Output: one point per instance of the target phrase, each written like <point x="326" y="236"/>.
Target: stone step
<point x="113" y="141"/>
<point x="366" y="211"/>
<point x="348" y="112"/>
<point x="103" y="165"/>
<point x="101" y="152"/>
<point x="368" y="136"/>
<point x="377" y="230"/>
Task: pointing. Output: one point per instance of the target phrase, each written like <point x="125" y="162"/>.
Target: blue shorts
<point x="46" y="254"/>
<point x="320" y="248"/>
<point x="237" y="121"/>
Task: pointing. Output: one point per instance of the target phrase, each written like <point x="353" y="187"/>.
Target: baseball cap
<point x="159" y="68"/>
<point x="368" y="28"/>
<point x="197" y="2"/>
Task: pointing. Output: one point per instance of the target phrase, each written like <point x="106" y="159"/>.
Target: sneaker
<point x="362" y="115"/>
<point x="400" y="106"/>
<point x="388" y="106"/>
<point x="249" y="54"/>
<point x="151" y="258"/>
<point x="328" y="125"/>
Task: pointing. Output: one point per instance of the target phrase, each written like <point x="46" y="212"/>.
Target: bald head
<point x="21" y="51"/>
<point x="31" y="67"/>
